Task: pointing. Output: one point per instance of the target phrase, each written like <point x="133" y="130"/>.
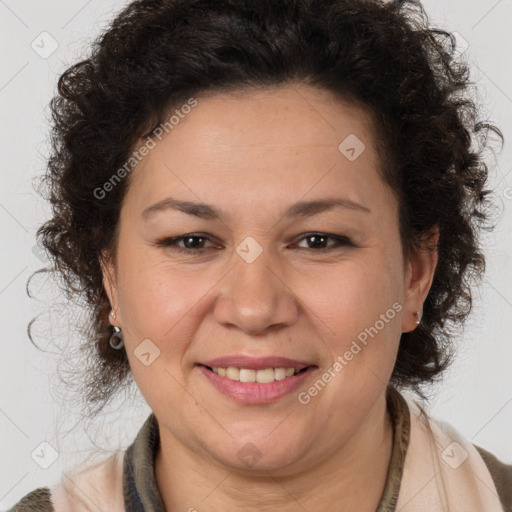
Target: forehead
<point x="269" y="142"/>
<point x="276" y="118"/>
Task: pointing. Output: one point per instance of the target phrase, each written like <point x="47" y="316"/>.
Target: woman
<point x="273" y="209"/>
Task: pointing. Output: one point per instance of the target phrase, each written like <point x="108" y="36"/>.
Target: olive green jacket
<point x="141" y="493"/>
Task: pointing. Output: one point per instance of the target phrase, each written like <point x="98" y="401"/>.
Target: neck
<point x="187" y="481"/>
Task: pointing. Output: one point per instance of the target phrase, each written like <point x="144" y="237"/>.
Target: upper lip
<point x="255" y="363"/>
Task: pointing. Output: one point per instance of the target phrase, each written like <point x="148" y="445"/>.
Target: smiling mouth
<point x="263" y="376"/>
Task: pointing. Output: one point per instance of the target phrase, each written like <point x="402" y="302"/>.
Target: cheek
<point x="360" y="310"/>
<point x="356" y="294"/>
<point x="156" y="298"/>
<point x="155" y="302"/>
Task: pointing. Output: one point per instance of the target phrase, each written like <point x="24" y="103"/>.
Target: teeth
<point x="262" y="376"/>
<point x="281" y="373"/>
<point x="247" y="375"/>
<point x="233" y="373"/>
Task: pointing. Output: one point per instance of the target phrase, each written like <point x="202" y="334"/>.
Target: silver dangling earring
<point x="119" y="335"/>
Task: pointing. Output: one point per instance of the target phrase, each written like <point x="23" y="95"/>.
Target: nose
<point x="256" y="298"/>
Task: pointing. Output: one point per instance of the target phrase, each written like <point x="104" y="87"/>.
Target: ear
<point x="109" y="283"/>
<point x="419" y="275"/>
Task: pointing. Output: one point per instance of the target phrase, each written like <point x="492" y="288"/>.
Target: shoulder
<point x="94" y="487"/>
<point x="37" y="500"/>
<point x="501" y="474"/>
<point x="484" y="473"/>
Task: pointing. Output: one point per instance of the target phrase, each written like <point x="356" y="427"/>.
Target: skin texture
<point x="252" y="155"/>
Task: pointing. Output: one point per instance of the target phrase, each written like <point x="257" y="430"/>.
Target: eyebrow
<point x="207" y="212"/>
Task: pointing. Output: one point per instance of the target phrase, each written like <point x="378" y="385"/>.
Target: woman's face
<point x="261" y="286"/>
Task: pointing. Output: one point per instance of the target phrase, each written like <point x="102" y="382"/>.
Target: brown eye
<point x="318" y="241"/>
<point x="192" y="243"/>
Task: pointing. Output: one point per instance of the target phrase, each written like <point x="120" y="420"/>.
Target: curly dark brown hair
<point x="384" y="56"/>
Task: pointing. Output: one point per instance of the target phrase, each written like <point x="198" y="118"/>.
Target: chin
<point x="256" y="457"/>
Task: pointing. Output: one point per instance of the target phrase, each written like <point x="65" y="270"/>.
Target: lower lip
<point x="254" y="392"/>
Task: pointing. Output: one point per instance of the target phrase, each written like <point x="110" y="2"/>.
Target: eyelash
<point x="341" y="241"/>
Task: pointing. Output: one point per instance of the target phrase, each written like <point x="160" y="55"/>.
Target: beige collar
<point x="443" y="471"/>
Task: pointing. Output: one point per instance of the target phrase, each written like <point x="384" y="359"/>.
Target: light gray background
<point x="476" y="396"/>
